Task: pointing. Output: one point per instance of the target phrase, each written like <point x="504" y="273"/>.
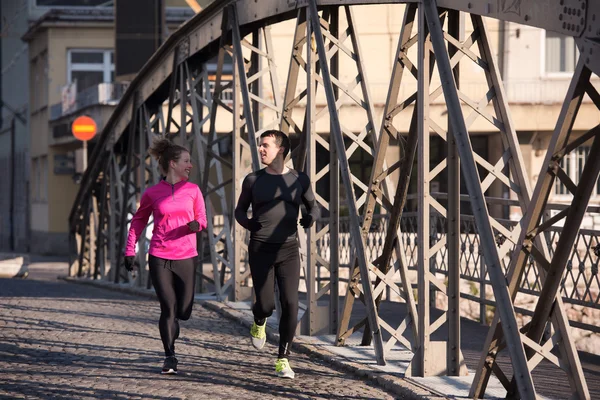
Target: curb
<point x="115" y="287"/>
<point x="403" y="387"/>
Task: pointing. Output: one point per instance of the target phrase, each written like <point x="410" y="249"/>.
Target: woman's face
<point x="183" y="166"/>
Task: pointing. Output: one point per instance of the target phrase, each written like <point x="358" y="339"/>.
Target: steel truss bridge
<point x="178" y="95"/>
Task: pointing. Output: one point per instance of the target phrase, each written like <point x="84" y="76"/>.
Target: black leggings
<point x="282" y="261"/>
<point x="174" y="282"/>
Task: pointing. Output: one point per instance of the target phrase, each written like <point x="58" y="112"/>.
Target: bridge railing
<point x="580" y="285"/>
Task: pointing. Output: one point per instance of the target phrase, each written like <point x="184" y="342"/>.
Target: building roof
<point x="175" y="16"/>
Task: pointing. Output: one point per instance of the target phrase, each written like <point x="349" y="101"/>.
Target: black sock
<point x="260" y="322"/>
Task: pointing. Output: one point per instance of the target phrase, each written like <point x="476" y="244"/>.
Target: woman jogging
<point x="179" y="212"/>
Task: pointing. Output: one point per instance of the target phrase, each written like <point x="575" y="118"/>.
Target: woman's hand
<point x="129" y="263"/>
<point x="194" y="226"/>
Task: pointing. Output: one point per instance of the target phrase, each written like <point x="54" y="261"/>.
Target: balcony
<point x="103" y="94"/>
<point x="98" y="102"/>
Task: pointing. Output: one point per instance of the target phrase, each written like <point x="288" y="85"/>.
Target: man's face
<point x="268" y="150"/>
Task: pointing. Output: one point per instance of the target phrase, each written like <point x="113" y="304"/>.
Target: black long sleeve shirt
<point x="275" y="201"/>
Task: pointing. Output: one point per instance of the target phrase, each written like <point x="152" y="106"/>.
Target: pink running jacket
<point x="173" y="206"/>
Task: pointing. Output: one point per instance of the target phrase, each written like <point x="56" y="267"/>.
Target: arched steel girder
<point x="577" y="18"/>
<point x="120" y="169"/>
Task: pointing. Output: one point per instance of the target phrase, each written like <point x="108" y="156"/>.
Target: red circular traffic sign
<point x="83" y="128"/>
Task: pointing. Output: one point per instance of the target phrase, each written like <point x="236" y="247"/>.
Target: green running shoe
<point x="283" y="369"/>
<point x="258" y="334"/>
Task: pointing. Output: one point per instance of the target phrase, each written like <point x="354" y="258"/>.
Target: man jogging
<point x="275" y="193"/>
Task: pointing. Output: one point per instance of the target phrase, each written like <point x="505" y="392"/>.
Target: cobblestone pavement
<point x="63" y="340"/>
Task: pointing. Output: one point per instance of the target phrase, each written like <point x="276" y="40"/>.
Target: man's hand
<point x="306" y="221"/>
<point x="129" y="262"/>
<point x="254" y="225"/>
<point x="194" y="226"/>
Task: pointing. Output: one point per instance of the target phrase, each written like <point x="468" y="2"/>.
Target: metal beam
<point x="527" y="241"/>
<point x="345" y="172"/>
<point x="472" y="181"/>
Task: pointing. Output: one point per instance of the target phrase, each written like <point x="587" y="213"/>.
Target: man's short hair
<point x="281" y="139"/>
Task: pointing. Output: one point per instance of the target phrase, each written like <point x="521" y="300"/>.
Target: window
<point x="74" y="3"/>
<point x="90" y="67"/>
<point x="573" y="164"/>
<point x="561" y="53"/>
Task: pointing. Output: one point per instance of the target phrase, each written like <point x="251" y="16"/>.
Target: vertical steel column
<point x="453" y="353"/>
<point x="126" y="179"/>
<point x="82" y="239"/>
<point x="344" y="168"/>
<point x="100" y="266"/>
<point x="231" y="232"/>
<point x="423" y="360"/>
<point x="93" y="228"/>
<point x="320" y="318"/>
<point x="112" y="218"/>
<point x="240" y="95"/>
<point x="238" y="173"/>
<point x="143" y="145"/>
<point x="334" y="194"/>
<point x="378" y="191"/>
<point x="310" y="169"/>
<point x="473" y="183"/>
<point x="172" y="91"/>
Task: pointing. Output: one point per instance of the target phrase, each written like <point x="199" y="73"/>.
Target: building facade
<point x="58" y="62"/>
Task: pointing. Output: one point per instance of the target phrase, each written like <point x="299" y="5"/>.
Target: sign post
<point x="84" y="129"/>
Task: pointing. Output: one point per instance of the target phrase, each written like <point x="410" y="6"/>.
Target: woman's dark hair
<point x="166" y="151"/>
